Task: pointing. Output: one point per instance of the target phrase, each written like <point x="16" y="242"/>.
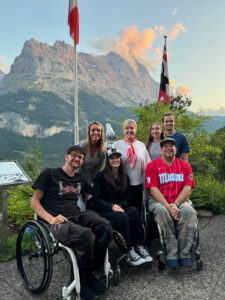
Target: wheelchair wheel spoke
<point x="34" y="259"/>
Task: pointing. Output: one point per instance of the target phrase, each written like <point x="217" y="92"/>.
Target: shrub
<point x="9" y="252"/>
<point x="19" y="210"/>
<point x="209" y="194"/>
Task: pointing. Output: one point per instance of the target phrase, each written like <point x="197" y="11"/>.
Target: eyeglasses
<point x="80" y="157"/>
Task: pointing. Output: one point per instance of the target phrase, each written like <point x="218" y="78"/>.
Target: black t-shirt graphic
<point x="61" y="191"/>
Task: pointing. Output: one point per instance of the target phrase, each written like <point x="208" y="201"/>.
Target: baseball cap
<point x="112" y="151"/>
<point x="76" y="148"/>
<point x="167" y="140"/>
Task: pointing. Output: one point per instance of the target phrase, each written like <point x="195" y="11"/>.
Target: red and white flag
<point x="73" y="20"/>
<point x="164" y="89"/>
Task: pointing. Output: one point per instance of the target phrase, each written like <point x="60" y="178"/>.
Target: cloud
<point x="172" y="85"/>
<point x="104" y="45"/>
<point x="4" y="67"/>
<point x="212" y="112"/>
<point x="174" y="11"/>
<point x="159" y="29"/>
<point x="3" y="59"/>
<point x="182" y="90"/>
<point x="132" y="43"/>
<point x="176" y="30"/>
<point x="172" y="82"/>
<point x="156" y="60"/>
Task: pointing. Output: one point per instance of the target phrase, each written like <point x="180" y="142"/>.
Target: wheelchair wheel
<point x="117" y="276"/>
<point x="119" y="240"/>
<point x="199" y="264"/>
<point x="161" y="263"/>
<point x="34" y="259"/>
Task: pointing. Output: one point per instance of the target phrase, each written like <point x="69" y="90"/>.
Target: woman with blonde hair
<point x="135" y="159"/>
<point x="95" y="151"/>
<point x="156" y="135"/>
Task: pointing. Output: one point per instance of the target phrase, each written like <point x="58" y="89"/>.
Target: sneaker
<point x="143" y="253"/>
<point x="134" y="259"/>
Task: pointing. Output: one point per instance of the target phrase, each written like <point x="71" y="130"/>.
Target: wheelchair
<point x="153" y="231"/>
<point x="121" y="243"/>
<point x="35" y="249"/>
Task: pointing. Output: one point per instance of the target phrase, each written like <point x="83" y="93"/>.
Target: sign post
<point x="11" y="174"/>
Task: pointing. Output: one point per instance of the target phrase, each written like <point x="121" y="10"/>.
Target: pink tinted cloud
<point x="176" y="30"/>
<point x="182" y="90"/>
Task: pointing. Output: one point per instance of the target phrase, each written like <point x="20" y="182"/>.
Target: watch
<point x="177" y="204"/>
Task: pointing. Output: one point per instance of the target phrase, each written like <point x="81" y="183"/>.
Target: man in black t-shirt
<point x="56" y="192"/>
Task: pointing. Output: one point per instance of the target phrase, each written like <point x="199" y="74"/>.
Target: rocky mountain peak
<point x="43" y="67"/>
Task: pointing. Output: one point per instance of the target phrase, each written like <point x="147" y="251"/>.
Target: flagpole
<point x="164" y="80"/>
<point x="73" y="22"/>
<point x="76" y="121"/>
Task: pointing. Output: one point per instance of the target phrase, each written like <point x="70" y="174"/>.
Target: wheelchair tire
<point x="199" y="264"/>
<point x="119" y="240"/>
<point x="117" y="276"/>
<point x="34" y="258"/>
<point x="161" y="265"/>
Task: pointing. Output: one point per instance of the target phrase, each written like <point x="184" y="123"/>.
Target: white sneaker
<point x="142" y="252"/>
<point x="135" y="259"/>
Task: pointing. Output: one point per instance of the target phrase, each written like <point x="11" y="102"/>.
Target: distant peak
<point x="31" y="43"/>
<point x="130" y="59"/>
<point x="62" y="44"/>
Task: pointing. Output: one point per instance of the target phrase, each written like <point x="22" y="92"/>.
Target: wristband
<point x="177" y="204"/>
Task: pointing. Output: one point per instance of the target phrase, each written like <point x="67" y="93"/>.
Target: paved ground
<point x="145" y="282"/>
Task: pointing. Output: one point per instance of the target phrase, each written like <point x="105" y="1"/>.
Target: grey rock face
<point x="23" y="126"/>
<point x="51" y="68"/>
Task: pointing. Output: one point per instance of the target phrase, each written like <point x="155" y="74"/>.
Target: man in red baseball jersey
<point x="169" y="181"/>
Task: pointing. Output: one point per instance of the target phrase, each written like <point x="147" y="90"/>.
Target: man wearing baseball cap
<point x="169" y="181"/>
<point x="56" y="192"/>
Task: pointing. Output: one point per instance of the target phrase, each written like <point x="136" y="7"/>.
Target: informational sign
<point x="12" y="174"/>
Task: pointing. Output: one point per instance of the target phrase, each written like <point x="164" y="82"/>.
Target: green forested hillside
<point x="52" y="110"/>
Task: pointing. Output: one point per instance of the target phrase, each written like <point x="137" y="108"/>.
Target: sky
<point x="195" y="43"/>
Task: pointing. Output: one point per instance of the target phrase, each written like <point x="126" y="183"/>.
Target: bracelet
<point x="177" y="204"/>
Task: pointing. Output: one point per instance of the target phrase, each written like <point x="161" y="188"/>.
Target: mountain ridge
<point x="50" y="68"/>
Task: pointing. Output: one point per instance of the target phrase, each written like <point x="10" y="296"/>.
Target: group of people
<point x="109" y="181"/>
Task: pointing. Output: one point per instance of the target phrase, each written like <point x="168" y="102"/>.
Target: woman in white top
<point x="152" y="144"/>
<point x="135" y="159"/>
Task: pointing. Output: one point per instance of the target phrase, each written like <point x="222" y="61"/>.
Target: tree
<point x="188" y="123"/>
<point x="205" y="156"/>
<point x="32" y="161"/>
<point x="180" y="102"/>
<point x="217" y="140"/>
